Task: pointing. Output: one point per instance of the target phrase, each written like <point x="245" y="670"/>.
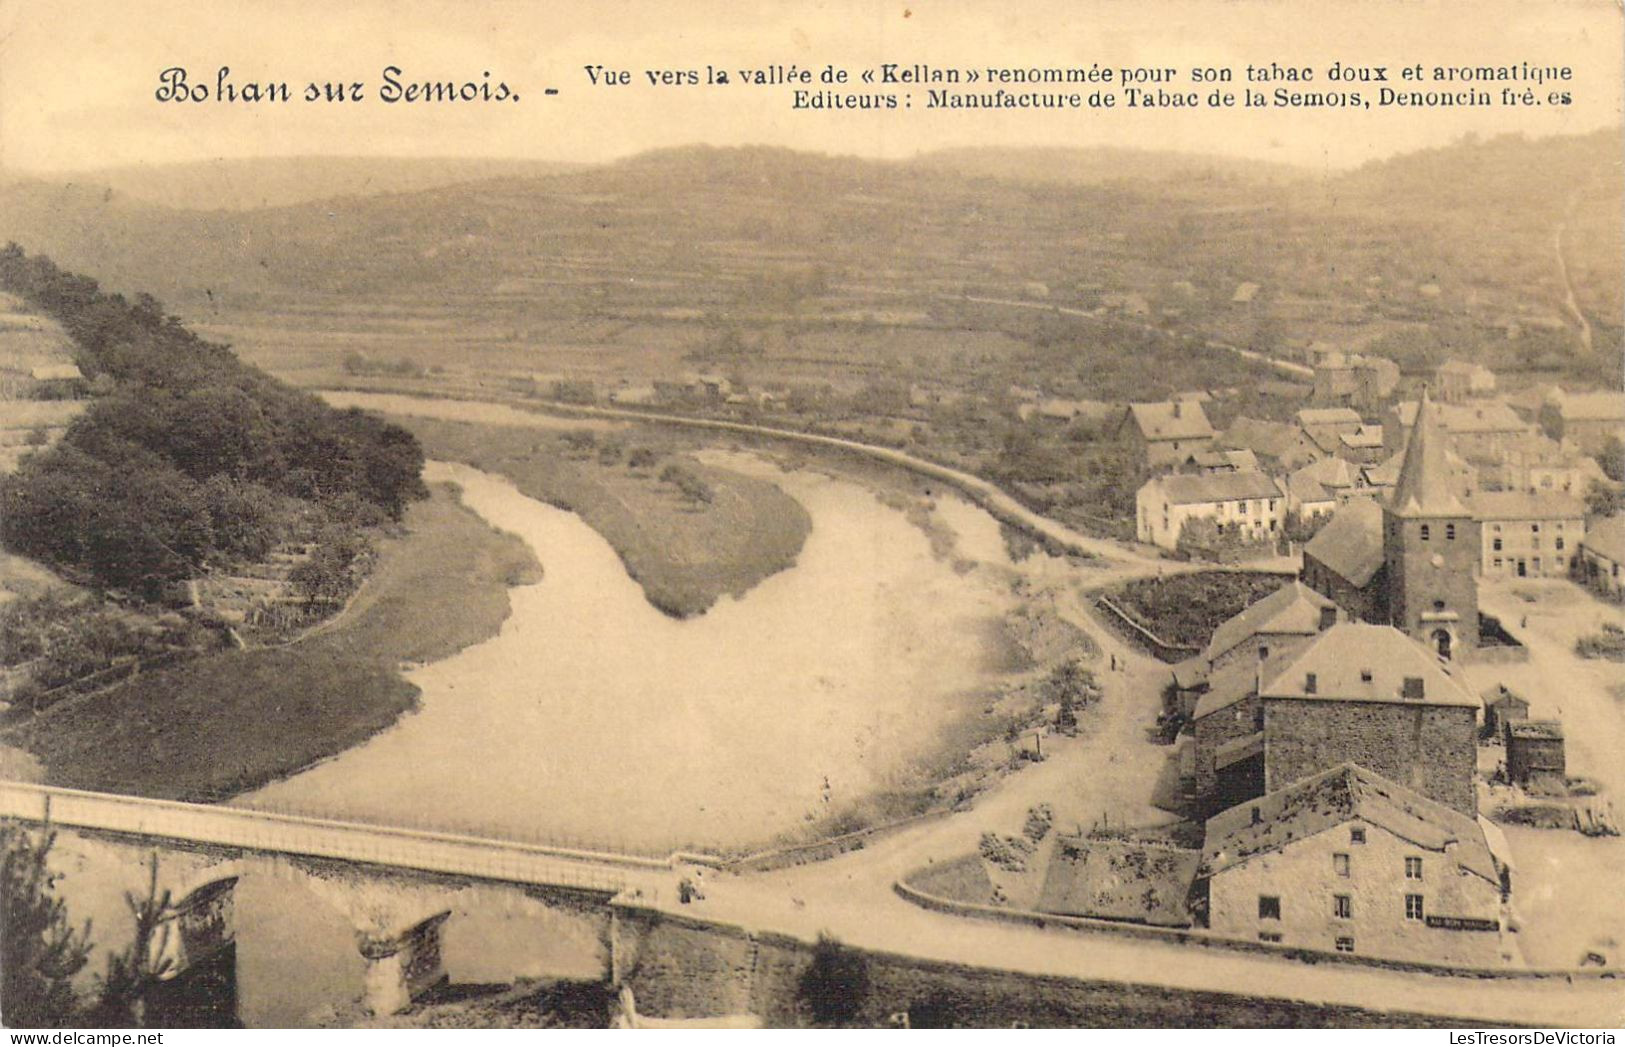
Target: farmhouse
<point x="1248" y="502"/>
<point x="1167" y="433"/>
<point x="1528" y="535"/>
<point x="1601" y="563"/>
<point x="1368" y="694"/>
<point x="1350" y="861"/>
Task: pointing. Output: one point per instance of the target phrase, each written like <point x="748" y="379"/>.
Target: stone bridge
<point x="273" y="919"/>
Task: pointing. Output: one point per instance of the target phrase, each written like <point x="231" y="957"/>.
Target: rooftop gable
<point x="1336" y="797"/>
<point x="1359" y="662"/>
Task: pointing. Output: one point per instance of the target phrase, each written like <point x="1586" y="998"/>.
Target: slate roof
<point x="1120" y="880"/>
<point x="1238" y="678"/>
<point x="1157" y="421"/>
<point x="1293" y="608"/>
<point x="1336" y="797"/>
<point x="1198" y="488"/>
<point x="1273" y="439"/>
<point x="1351" y="542"/>
<point x="1358" y="662"/>
<point x="1525" y="505"/>
<point x="1483" y="416"/>
<point x="1425" y="487"/>
<point x="1606" y="538"/>
<point x="1303" y="488"/>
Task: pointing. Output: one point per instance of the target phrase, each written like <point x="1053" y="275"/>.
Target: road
<point x="851" y="896"/>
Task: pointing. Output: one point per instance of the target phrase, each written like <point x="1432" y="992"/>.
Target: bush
<point x="836" y="984"/>
<point x="39" y="951"/>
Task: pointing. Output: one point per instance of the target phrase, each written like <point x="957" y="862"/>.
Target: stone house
<point x="1167" y="433"/>
<point x="1344" y="561"/>
<point x="1370" y="695"/>
<point x="1349" y="861"/>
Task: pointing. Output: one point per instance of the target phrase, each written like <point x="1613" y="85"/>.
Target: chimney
<point x="1328" y="618"/>
<point x="1412" y="689"/>
<point x="1176" y="408"/>
<point x="1258" y="815"/>
<point x="1309" y="683"/>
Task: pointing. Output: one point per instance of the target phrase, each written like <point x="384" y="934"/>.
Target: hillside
<point x="247" y="184"/>
<point x="1446" y="252"/>
<point x="1093" y="166"/>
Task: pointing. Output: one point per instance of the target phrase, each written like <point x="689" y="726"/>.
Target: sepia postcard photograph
<point x="823" y="515"/>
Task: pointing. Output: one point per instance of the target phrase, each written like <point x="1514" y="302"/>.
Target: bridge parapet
<point x="437" y="852"/>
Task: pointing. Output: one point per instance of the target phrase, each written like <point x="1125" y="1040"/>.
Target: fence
<point x="1164" y="649"/>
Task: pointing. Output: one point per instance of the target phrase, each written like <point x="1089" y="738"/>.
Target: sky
<point x="78" y="77"/>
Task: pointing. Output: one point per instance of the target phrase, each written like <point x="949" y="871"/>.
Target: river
<point x="593" y="718"/>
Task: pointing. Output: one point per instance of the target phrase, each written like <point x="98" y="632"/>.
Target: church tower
<point x="1431" y="545"/>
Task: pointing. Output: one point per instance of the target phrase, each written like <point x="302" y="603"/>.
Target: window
<point x="1496" y="528"/>
<point x="1365" y="675"/>
<point x="1425" y="532"/>
<point x="1340" y="864"/>
<point x="1560" y="543"/>
<point x="1497" y="561"/>
<point x="1269" y="906"/>
<point x="1560" y="527"/>
<point x="1343" y="906"/>
<point x="1497" y="545"/>
<point x="1537" y="563"/>
<point x="1357" y="835"/>
<point x="1345" y="944"/>
<point x="1269" y="936"/>
<point x="1413" y="868"/>
<point x="1449" y="532"/>
<point x="1534" y="528"/>
<point x="1413" y="907"/>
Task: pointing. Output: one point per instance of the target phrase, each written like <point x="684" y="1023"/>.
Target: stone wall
<point x="1430" y="748"/>
<point x="689" y="968"/>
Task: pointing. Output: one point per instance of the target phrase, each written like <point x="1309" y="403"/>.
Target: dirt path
<point x="1571" y="303"/>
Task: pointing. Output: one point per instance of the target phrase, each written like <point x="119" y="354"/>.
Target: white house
<point x="1250" y="502"/>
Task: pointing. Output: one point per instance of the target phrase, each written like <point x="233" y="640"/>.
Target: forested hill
<point x="1451" y="251"/>
<point x="186" y="456"/>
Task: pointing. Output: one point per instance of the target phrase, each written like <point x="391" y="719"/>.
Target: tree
<point x="1603" y="499"/>
<point x="1612" y="459"/>
<point x="835" y="985"/>
<point x="40" y="951"/>
<point x="131" y="974"/>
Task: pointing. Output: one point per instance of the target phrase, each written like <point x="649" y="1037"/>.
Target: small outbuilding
<point x="1535" y="752"/>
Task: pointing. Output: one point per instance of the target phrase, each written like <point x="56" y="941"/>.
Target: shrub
<point x="836" y="984"/>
